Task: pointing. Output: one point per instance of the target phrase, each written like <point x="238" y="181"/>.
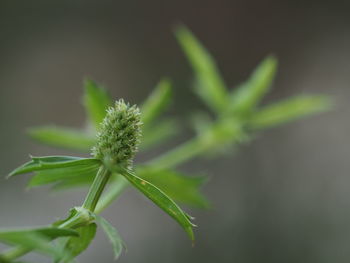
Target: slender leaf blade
<point x="76" y="245"/>
<point x="74" y="182"/>
<point x="96" y="101"/>
<point x="161" y="200"/>
<point x="37" y="239"/>
<point x="248" y="95"/>
<point x="156" y="102"/>
<point x="211" y="88"/>
<point x="62" y="137"/>
<point x="51" y="162"/>
<point x="181" y="188"/>
<point x="112" y="234"/>
<point x="73" y="174"/>
<point x="289" y="110"/>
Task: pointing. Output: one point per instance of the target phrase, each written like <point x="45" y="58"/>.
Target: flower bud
<point x="119" y="135"/>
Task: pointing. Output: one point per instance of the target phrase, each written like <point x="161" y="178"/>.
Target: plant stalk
<point x="97" y="188"/>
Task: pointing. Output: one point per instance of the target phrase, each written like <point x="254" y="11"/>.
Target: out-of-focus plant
<point x="236" y="116"/>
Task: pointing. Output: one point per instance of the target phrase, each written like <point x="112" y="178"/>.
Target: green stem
<point x="79" y="219"/>
<point x="97" y="188"/>
<point x="114" y="191"/>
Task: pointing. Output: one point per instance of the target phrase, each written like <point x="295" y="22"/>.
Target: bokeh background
<point x="283" y="198"/>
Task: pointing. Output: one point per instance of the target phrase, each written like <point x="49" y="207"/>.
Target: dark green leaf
<point x="76" y="245"/>
<point x="96" y="102"/>
<point x="112" y="234"/>
<point x="156" y="102"/>
<point x="289" y="110"/>
<point x="53" y="162"/>
<point x="248" y="95"/>
<point x="181" y="188"/>
<point x="62" y="137"/>
<point x="161" y="200"/>
<point x="211" y="87"/>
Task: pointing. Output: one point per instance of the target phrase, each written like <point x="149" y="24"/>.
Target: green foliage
<point x="113" y="236"/>
<point x="161" y="200"/>
<point x="62" y="137"/>
<point x="179" y="187"/>
<point x="156" y="103"/>
<point x="96" y="102"/>
<point x="289" y="110"/>
<point x="53" y="162"/>
<point x="238" y="115"/>
<point x="76" y="245"/>
<point x="244" y="99"/>
<point x="211" y="87"/>
<point x="35" y="239"/>
<point x="58" y="169"/>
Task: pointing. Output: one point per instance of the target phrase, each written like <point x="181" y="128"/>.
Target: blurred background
<point x="283" y="198"/>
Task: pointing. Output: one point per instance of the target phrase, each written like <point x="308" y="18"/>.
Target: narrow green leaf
<point x="156" y="134"/>
<point x="73" y="174"/>
<point x="156" y="102"/>
<point x="112" y="234"/>
<point x="181" y="188"/>
<point x="289" y="110"/>
<point x="53" y="232"/>
<point x="76" y="245"/>
<point x="248" y="95"/>
<point x="31" y="241"/>
<point x="161" y="200"/>
<point x="96" y="102"/>
<point x="51" y="162"/>
<point x="62" y="137"/>
<point x="74" y="182"/>
<point x="211" y="88"/>
<point x="36" y="239"/>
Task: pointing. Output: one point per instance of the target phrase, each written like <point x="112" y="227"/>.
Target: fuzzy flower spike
<point x="119" y="136"/>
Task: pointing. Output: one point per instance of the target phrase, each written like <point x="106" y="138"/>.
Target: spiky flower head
<point x="119" y="136"/>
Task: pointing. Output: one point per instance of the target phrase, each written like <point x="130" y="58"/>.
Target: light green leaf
<point x="53" y="232"/>
<point x="289" y="110"/>
<point x="156" y="102"/>
<point x="156" y="134"/>
<point x="76" y="245"/>
<point x="36" y="239"/>
<point x="161" y="200"/>
<point x="211" y="88"/>
<point x="96" y="102"/>
<point x="112" y="234"/>
<point x="248" y="95"/>
<point x="74" y="182"/>
<point x="71" y="175"/>
<point x="181" y="188"/>
<point x="53" y="162"/>
<point x="62" y="137"/>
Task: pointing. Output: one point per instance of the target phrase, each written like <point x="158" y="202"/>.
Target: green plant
<point x="236" y="116"/>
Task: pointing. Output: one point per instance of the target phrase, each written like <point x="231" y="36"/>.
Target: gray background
<point x="283" y="198"/>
